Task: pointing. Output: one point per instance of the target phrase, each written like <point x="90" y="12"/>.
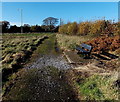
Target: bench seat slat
<point x="86" y="46"/>
<point x="80" y="49"/>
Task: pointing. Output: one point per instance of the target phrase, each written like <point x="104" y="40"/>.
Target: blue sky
<point x="60" y="0"/>
<point x="35" y="12"/>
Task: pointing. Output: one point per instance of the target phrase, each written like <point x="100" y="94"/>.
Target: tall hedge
<point x="72" y="28"/>
<point x="98" y="27"/>
<point x="83" y="28"/>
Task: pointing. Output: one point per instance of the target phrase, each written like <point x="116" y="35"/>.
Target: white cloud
<point x="15" y="23"/>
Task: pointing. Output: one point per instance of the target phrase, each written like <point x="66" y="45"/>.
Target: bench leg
<point x="87" y="55"/>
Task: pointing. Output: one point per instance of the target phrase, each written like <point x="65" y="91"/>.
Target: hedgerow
<point x="98" y="27"/>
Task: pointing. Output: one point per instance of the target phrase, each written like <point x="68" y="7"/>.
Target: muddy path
<point x="44" y="78"/>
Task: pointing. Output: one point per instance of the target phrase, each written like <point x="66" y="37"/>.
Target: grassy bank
<point x="95" y="87"/>
<point x="68" y="42"/>
<point x="16" y="50"/>
<point x="99" y="88"/>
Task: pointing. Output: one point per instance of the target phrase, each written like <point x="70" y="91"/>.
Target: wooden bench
<point x="84" y="49"/>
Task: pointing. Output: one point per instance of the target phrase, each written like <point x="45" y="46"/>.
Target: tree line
<point x="98" y="27"/>
<point x="49" y="25"/>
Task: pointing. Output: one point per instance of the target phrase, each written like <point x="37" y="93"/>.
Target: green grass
<point x="25" y="34"/>
<point x="90" y="89"/>
<point x="48" y="46"/>
<point x="98" y="88"/>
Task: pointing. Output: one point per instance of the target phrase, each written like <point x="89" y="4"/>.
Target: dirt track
<point x="43" y="79"/>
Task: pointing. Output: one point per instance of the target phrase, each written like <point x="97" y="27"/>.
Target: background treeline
<point x="98" y="27"/>
<point x="5" y="27"/>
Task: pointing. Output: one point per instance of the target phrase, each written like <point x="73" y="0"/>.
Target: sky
<point x="35" y="12"/>
<point x="60" y="0"/>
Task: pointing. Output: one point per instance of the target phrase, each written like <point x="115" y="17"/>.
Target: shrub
<point x="83" y="28"/>
<point x="115" y="43"/>
<point x="72" y="28"/>
<point x="63" y="29"/>
<point x="97" y="27"/>
<point x="104" y="43"/>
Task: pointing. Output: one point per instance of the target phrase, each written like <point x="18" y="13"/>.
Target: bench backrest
<point x="85" y="46"/>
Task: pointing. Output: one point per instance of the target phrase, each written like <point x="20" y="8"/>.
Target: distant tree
<point x="5" y="26"/>
<point x="33" y="29"/>
<point x="45" y="28"/>
<point x="26" y="28"/>
<point x="55" y="29"/>
<point x="14" y="29"/>
<point x="50" y="22"/>
<point x="36" y="28"/>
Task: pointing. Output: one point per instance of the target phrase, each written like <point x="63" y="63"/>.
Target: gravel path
<point x="51" y="60"/>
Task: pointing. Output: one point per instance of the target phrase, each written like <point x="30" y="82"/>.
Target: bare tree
<point x="50" y="21"/>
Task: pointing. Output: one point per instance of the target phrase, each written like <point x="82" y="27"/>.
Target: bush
<point x="104" y="43"/>
<point x="84" y="28"/>
<point x="72" y="28"/>
<point x="63" y="29"/>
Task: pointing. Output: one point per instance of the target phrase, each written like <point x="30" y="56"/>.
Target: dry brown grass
<point x="67" y="42"/>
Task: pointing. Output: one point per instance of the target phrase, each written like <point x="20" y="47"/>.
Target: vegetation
<point x="4" y="25"/>
<point x="49" y="46"/>
<point x="98" y="87"/>
<point x="70" y="28"/>
<point x="16" y="50"/>
<point x="103" y="36"/>
<point x="105" y="44"/>
<point x="98" y="27"/>
<point x="68" y="42"/>
<point x="50" y="22"/>
<point x="49" y="25"/>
